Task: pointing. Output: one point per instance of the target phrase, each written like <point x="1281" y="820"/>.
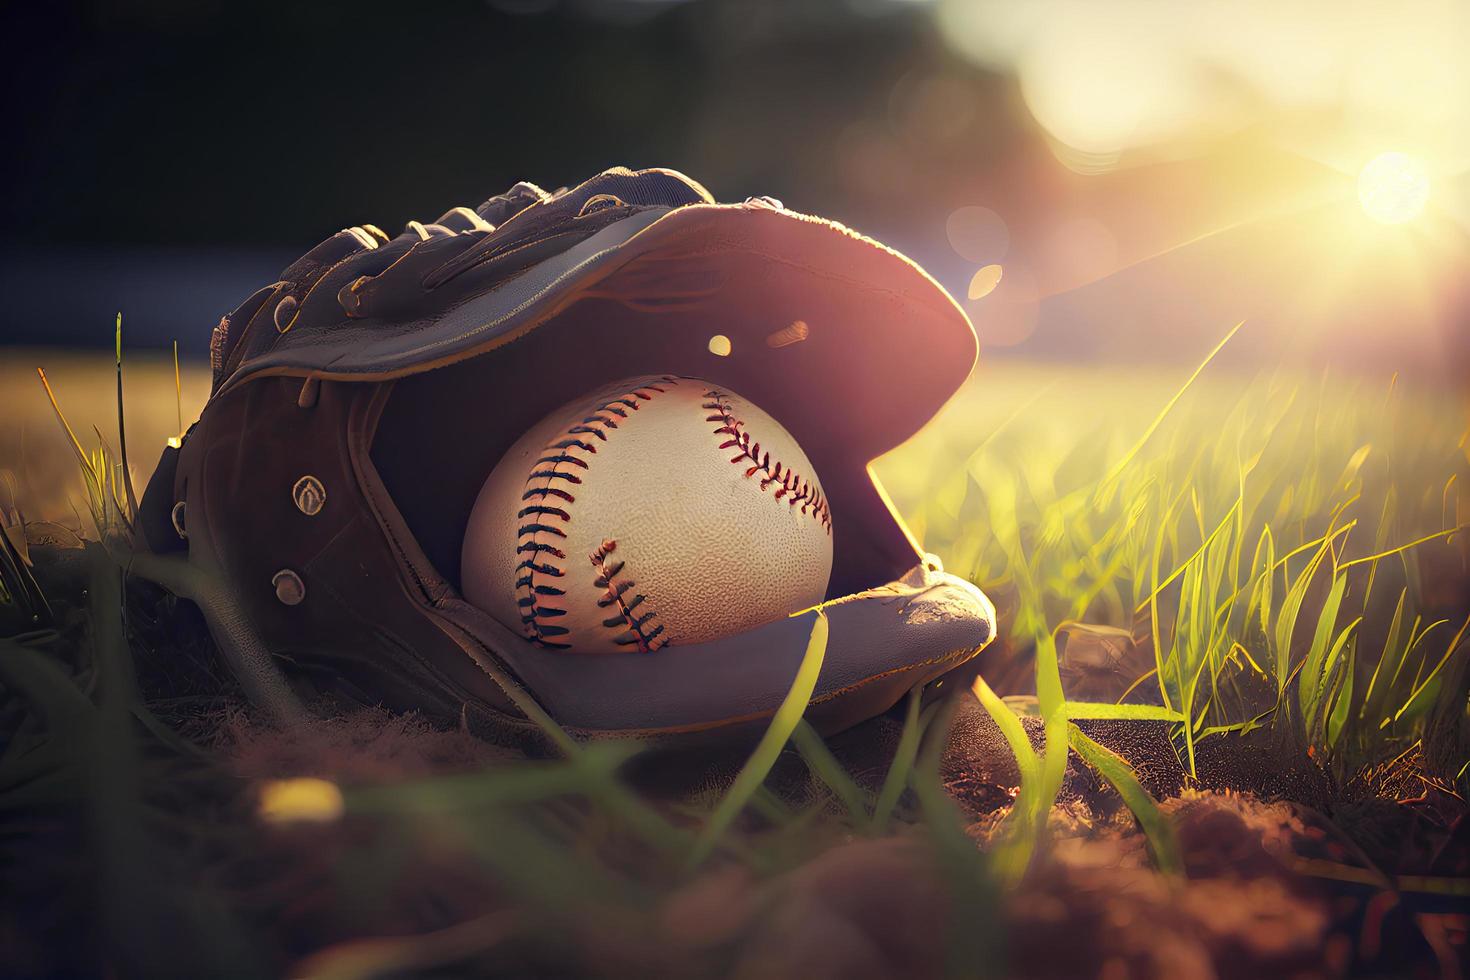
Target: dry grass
<point x="43" y="481"/>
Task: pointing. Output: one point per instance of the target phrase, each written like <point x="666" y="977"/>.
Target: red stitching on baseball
<point x="544" y="558"/>
<point x="637" y="632"/>
<point x="795" y="489"/>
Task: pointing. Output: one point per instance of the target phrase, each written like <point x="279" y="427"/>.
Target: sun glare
<point x="1393" y="188"/>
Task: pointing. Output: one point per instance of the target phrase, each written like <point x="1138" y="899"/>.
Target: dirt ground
<point x="1273" y="887"/>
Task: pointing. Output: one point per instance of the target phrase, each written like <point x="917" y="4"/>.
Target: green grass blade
<point x="897" y="778"/>
<point x="1128" y="457"/>
<point x="1250" y="724"/>
<point x="1101" y="711"/>
<point x="1267" y="579"/>
<point x="783" y="722"/>
<point x="1403" y="547"/>
<point x="1172" y="576"/>
<point x="1317" y="722"/>
<point x="1310" y="680"/>
<point x="1155" y="620"/>
<point x="122" y="436"/>
<point x="824" y="766"/>
<point x="1342" y="702"/>
<point x="1013" y="854"/>
<point x="1394" y="649"/>
<point x="1053" y="706"/>
<point x="1291" y="608"/>
<point x="1420" y="687"/>
<point x="1156" y="827"/>
<point x="1010" y="727"/>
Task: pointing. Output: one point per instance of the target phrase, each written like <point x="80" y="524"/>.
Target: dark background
<point x="166" y="157"/>
<point x="196" y="123"/>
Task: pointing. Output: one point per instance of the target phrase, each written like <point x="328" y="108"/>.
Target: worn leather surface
<point x="882" y="642"/>
<point x="362" y="306"/>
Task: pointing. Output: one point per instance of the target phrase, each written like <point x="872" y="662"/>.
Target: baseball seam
<point x="546" y="503"/>
<point x="638" y="631"/>
<point x="790" y="486"/>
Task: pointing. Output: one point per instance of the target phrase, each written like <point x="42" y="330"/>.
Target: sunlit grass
<point x="1263" y="541"/>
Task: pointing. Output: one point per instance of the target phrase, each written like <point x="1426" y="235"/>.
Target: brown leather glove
<point x="360" y="401"/>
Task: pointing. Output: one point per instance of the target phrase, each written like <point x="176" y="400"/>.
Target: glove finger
<point x="273" y="309"/>
<point x="225" y="339"/>
<point x="531" y="233"/>
<point x="502" y="207"/>
<point x="343" y="245"/>
<point x="463" y="219"/>
<point x="400" y="287"/>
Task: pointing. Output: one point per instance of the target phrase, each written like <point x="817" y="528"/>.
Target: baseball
<point x="654" y="512"/>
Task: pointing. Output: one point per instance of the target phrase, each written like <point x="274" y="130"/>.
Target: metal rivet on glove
<point x="176" y="517"/>
<point x="310" y="496"/>
<point x="289" y="587"/>
<point x="285" y="313"/>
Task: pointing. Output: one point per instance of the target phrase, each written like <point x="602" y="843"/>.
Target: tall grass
<point x="1277" y="550"/>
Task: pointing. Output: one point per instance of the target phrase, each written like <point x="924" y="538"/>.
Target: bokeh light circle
<point x="984" y="281"/>
<point x="978" y="234"/>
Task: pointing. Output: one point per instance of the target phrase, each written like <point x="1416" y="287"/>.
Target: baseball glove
<point x="359" y="402"/>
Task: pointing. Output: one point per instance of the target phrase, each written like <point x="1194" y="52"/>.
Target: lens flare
<point x="1393" y="188"/>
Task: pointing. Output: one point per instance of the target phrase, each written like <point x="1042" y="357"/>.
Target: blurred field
<point x="38" y="471"/>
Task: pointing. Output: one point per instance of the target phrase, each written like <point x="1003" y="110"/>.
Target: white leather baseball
<point x="658" y="510"/>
